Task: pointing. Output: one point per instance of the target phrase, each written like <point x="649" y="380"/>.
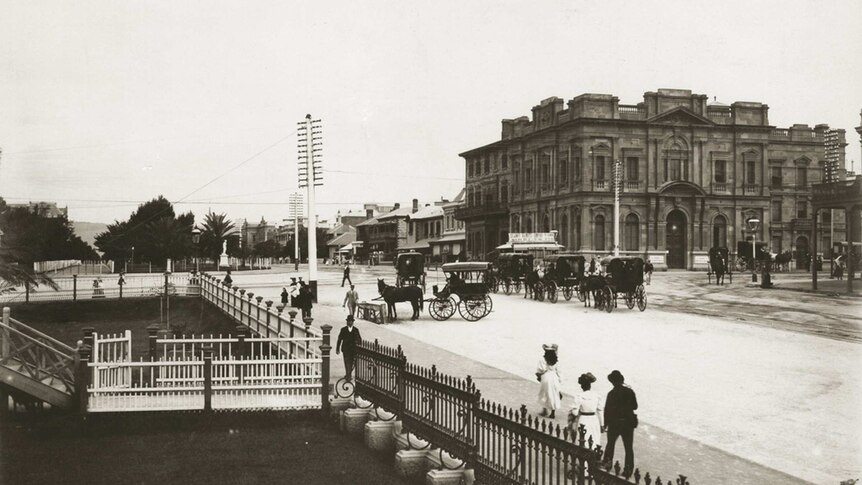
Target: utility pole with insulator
<point x="310" y="144"/>
<point x="295" y="206"/>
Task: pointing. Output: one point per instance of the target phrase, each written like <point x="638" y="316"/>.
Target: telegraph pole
<point x="295" y="205"/>
<point x="310" y="138"/>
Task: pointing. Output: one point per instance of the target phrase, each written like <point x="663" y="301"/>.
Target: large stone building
<point x="691" y="174"/>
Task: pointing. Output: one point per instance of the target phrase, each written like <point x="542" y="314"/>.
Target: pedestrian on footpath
<point x="304" y="299"/>
<point x="348" y="340"/>
<point x="620" y="421"/>
<point x="346" y="276"/>
<point x="227" y="279"/>
<point x="351" y="299"/>
<point x="587" y="412"/>
<point x="293" y="292"/>
<point x="549" y="377"/>
<point x="285" y="297"/>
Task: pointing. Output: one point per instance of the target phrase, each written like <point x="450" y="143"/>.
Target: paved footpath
<point x="658" y="451"/>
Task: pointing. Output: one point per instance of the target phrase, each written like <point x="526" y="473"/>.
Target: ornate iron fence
<point x="504" y="446"/>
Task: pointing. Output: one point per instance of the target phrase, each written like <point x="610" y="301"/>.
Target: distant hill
<point x="88" y="231"/>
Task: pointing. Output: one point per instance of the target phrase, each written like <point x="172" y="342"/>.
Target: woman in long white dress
<point x="587" y="412"/>
<point x="549" y="376"/>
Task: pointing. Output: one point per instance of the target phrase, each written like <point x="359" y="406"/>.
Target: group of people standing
<point x="298" y="295"/>
<point x="615" y="415"/>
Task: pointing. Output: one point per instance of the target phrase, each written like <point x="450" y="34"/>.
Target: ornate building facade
<point x="691" y="174"/>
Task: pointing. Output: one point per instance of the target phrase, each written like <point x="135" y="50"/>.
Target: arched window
<point x="576" y="233"/>
<point x="719" y="232"/>
<point x="546" y="224"/>
<point x="516" y="223"/>
<point x="528" y="225"/>
<point x="564" y="230"/>
<point x="599" y="233"/>
<point x="632" y="234"/>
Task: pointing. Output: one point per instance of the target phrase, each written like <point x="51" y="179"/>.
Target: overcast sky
<point x="105" y="104"/>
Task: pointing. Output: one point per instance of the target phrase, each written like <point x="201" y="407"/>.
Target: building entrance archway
<point x="675" y="239"/>
<point x="802" y="255"/>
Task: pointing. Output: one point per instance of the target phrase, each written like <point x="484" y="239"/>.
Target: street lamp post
<point x="753" y="224"/>
<point x="617" y="180"/>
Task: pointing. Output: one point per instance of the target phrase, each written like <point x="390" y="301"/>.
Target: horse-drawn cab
<point x="513" y="269"/>
<point x="469" y="283"/>
<point x="623" y="275"/>
<point x="719" y="265"/>
<point x="410" y="270"/>
<point x="564" y="273"/>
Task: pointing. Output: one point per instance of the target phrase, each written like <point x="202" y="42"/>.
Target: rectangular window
<point x="487" y="166"/>
<point x="632" y="169"/>
<point x="563" y="172"/>
<point x="802" y="210"/>
<point x="599" y="170"/>
<point x="776" y="211"/>
<point x="546" y="176"/>
<point x="504" y="162"/>
<point x="776" y="178"/>
<point x="528" y="179"/>
<point x="675" y="165"/>
<point x="577" y="169"/>
<point x="720" y="171"/>
<point x="750" y="170"/>
<point x="776" y="244"/>
<point x="801" y="177"/>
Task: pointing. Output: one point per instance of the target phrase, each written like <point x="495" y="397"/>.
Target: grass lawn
<point x="65" y="320"/>
<point x="242" y="448"/>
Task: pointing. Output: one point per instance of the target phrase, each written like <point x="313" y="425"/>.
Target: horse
<point x="530" y="281"/>
<point x="782" y="261"/>
<point x="590" y="286"/>
<point x="392" y="295"/>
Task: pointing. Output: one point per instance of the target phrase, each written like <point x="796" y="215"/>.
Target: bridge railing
<point x="35" y="354"/>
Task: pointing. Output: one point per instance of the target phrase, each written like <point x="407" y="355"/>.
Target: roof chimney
<point x="397" y="206"/>
<point x="369" y="213"/>
<point x="415" y="205"/>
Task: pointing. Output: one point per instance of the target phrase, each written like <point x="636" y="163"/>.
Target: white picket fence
<point x="283" y="373"/>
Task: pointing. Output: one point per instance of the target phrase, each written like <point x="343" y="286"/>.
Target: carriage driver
<point x="455" y="281"/>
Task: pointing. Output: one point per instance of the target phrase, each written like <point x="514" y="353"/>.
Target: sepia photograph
<point x="554" y="242"/>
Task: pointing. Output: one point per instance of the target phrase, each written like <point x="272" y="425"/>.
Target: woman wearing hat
<point x="587" y="411"/>
<point x="549" y="376"/>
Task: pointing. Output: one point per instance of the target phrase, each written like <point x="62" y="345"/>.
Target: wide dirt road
<point x="770" y="376"/>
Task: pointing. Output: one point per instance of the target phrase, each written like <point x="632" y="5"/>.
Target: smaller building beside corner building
<point x="691" y="173"/>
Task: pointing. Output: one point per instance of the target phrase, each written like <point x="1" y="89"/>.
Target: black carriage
<point x="622" y="276"/>
<point x="410" y="270"/>
<point x="564" y="273"/>
<point x="512" y="270"/>
<point x="466" y="290"/>
<point x="719" y="265"/>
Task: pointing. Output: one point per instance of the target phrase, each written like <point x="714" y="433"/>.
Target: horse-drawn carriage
<point x="512" y="270"/>
<point x="719" y="265"/>
<point x="410" y="270"/>
<point x="469" y="283"/>
<point x="564" y="273"/>
<point x="622" y="276"/>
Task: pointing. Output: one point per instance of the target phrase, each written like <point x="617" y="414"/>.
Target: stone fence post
<point x="325" y="347"/>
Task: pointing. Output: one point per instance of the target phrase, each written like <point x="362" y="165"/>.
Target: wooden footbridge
<point x="272" y="363"/>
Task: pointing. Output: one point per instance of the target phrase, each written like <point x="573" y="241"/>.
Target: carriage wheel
<point x="582" y="293"/>
<point x="539" y="291"/>
<point x="630" y="299"/>
<point x="472" y="309"/>
<point x="609" y="299"/>
<point x="553" y="294"/>
<point x="441" y="308"/>
<point x="568" y="292"/>
<point x="496" y="285"/>
<point x="489" y="305"/>
<point x="517" y="284"/>
<point x="507" y="287"/>
<point x="640" y="296"/>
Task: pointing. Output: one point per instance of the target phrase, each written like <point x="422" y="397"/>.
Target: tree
<point x="153" y="230"/>
<point x="16" y="259"/>
<point x="215" y="230"/>
<point x="268" y="249"/>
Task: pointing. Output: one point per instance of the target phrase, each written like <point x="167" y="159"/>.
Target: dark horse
<point x="590" y="287"/>
<point x="392" y="295"/>
<point x="531" y="280"/>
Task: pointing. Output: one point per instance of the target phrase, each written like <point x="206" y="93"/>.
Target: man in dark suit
<point x="620" y="421"/>
<point x="348" y="340"/>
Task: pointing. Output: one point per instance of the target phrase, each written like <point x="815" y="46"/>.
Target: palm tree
<point x="215" y="230"/>
<point x="14" y="274"/>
